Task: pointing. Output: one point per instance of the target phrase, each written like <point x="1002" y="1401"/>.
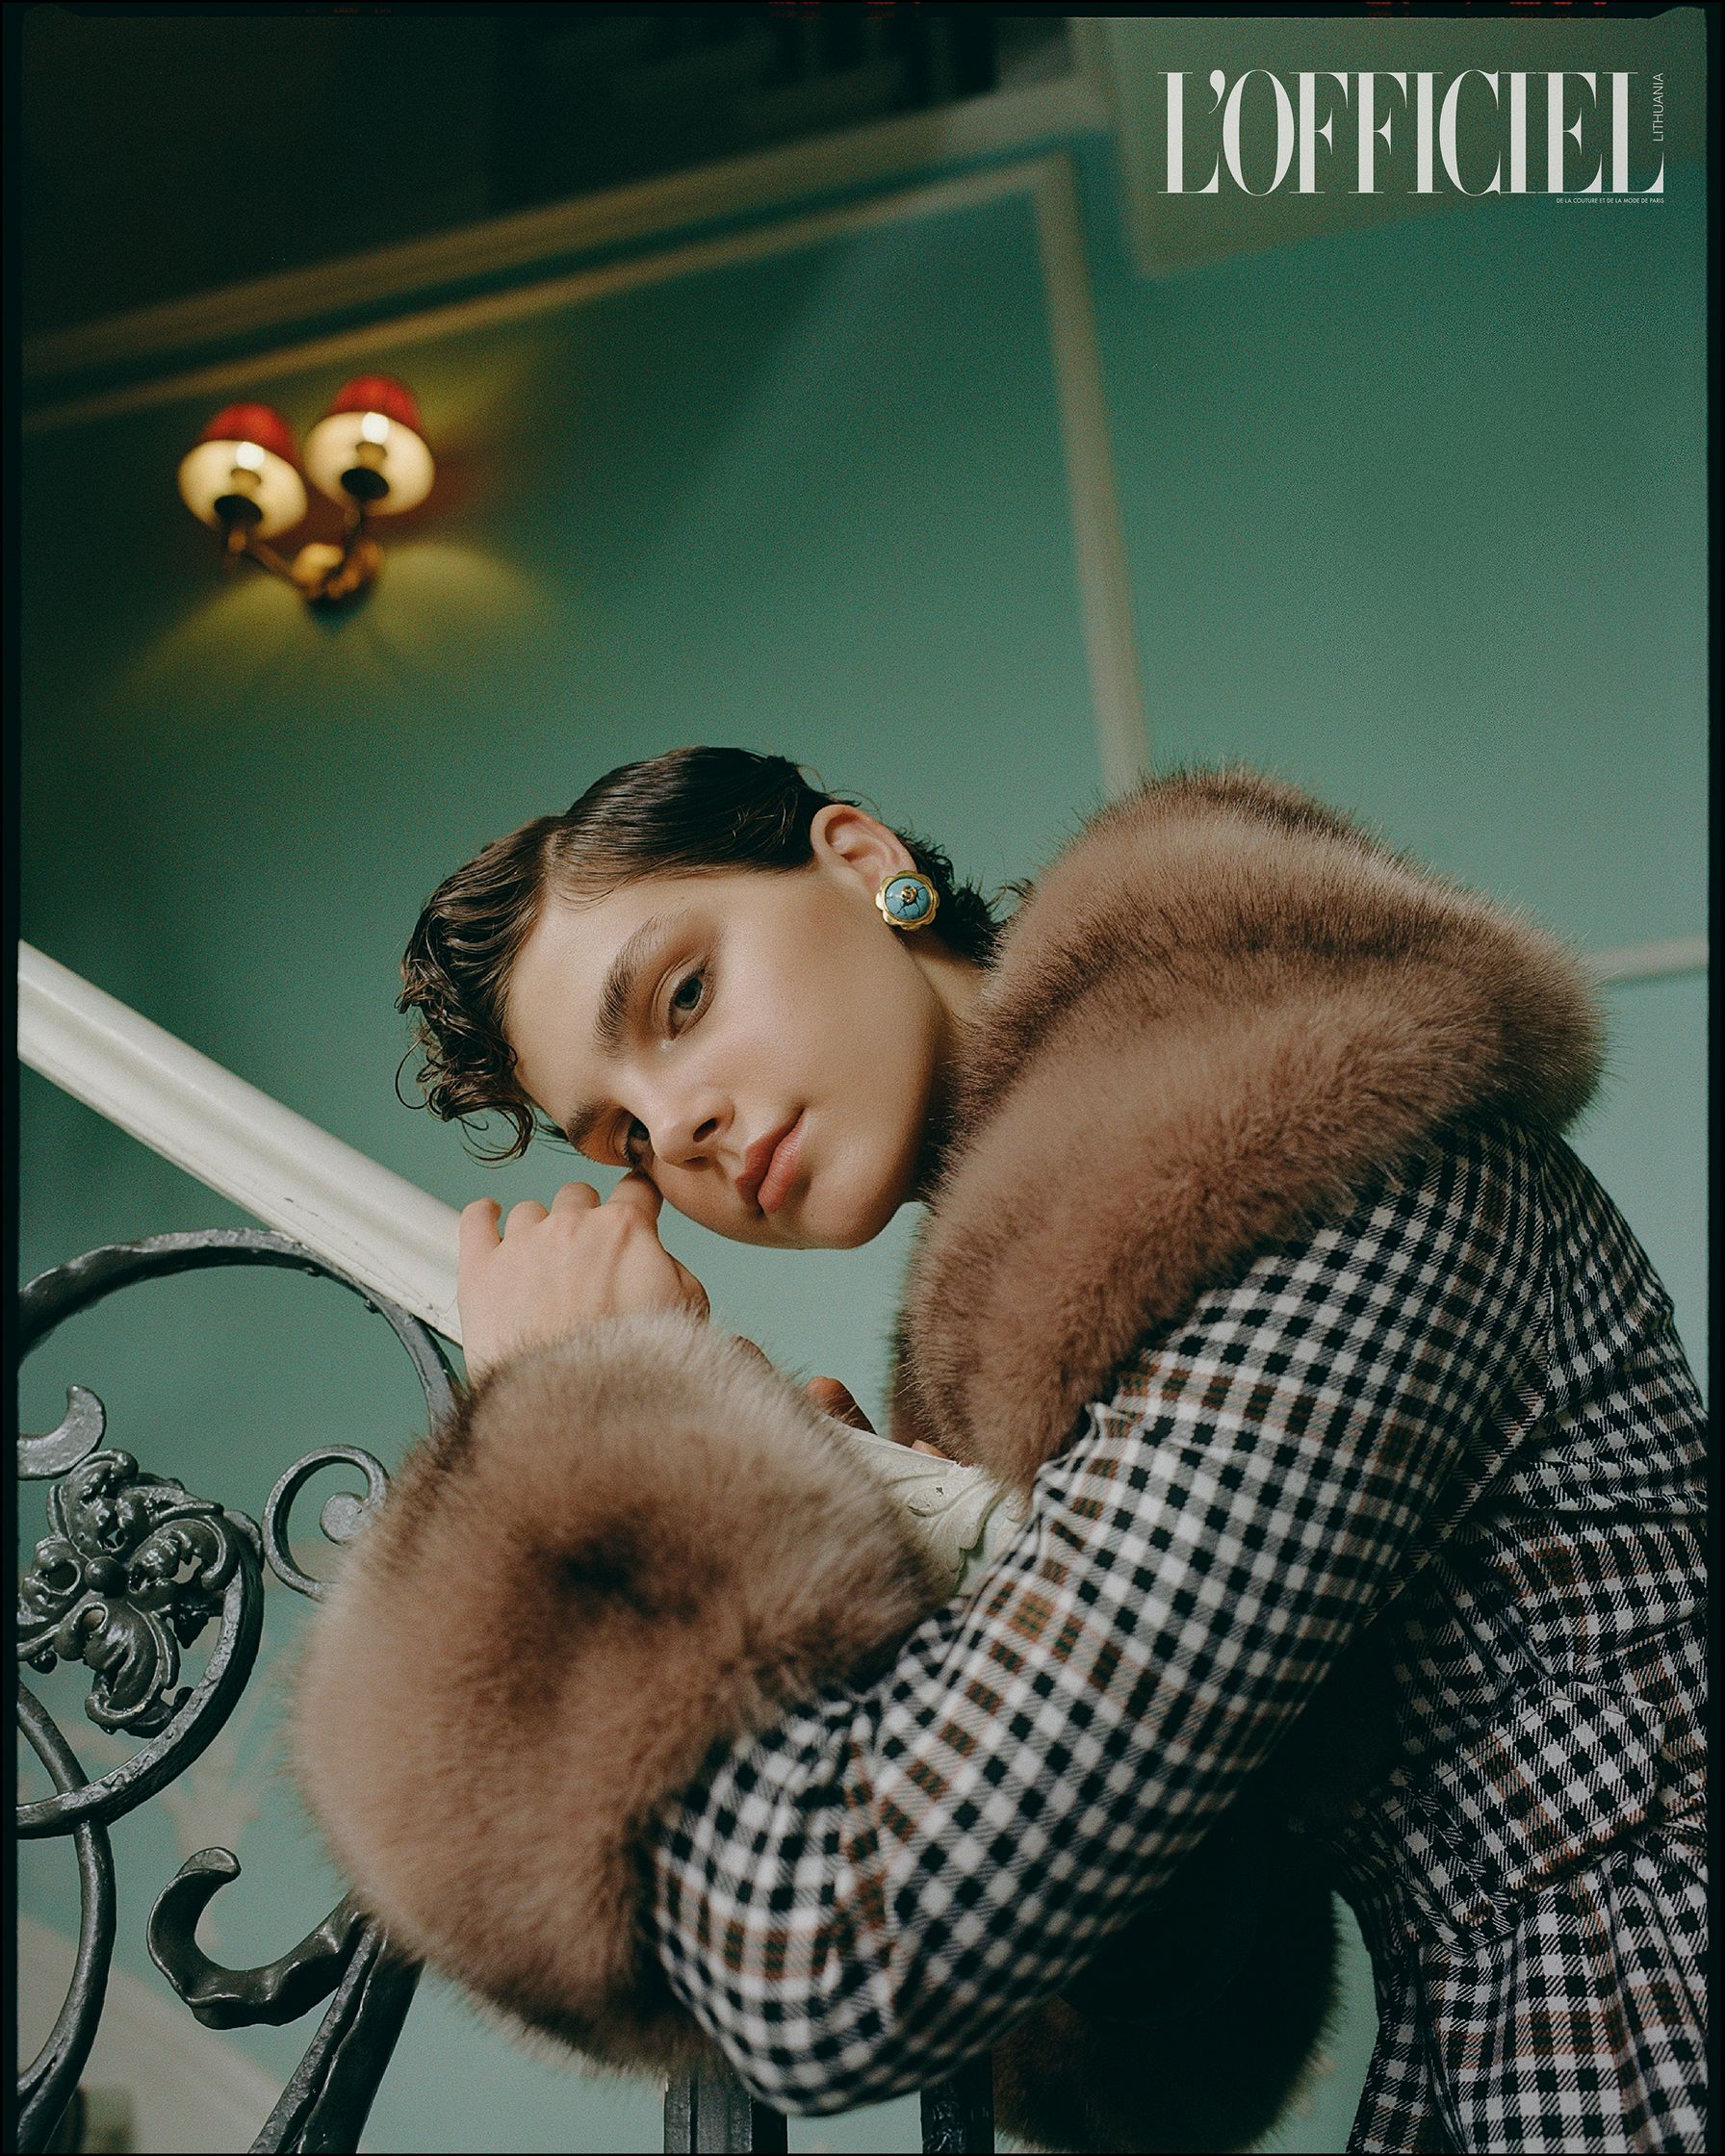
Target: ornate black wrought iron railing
<point x="135" y="1571"/>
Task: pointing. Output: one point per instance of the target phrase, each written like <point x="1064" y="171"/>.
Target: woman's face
<point x="754" y="1002"/>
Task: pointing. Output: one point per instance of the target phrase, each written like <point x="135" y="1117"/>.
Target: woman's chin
<point x="817" y="1218"/>
<point x="808" y="1228"/>
<point x="867" y="1217"/>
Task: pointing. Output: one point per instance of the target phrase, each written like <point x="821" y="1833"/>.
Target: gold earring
<point x="906" y="899"/>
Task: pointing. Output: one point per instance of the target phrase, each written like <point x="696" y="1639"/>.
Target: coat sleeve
<point x="894" y="1876"/>
<point x="640" y="1712"/>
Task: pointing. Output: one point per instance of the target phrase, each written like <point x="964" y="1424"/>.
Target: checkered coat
<point x="1362" y="1553"/>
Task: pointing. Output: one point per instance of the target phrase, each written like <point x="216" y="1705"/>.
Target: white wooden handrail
<point x="375" y="1226"/>
<point x="280" y="1167"/>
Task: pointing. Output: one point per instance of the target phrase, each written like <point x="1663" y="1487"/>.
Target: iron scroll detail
<point x="45" y="2086"/>
<point x="135" y="1570"/>
<point x="340" y="1518"/>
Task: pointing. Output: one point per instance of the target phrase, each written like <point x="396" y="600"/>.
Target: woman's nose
<point x="682" y="1136"/>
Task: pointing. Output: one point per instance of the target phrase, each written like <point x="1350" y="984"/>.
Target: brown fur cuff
<point x="624" y="1550"/>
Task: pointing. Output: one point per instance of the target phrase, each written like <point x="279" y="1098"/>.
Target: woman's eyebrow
<point x="614" y="998"/>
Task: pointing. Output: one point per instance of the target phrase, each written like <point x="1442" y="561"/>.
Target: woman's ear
<point x="847" y="837"/>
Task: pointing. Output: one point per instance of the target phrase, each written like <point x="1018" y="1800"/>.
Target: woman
<point x="1363" y="1463"/>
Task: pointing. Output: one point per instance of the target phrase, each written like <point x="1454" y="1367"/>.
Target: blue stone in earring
<point x="906" y="899"/>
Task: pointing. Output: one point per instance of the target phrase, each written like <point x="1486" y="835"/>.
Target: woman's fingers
<point x="638" y="1193"/>
<point x="477" y="1231"/>
<point x="835" y="1400"/>
<point x="551" y="1271"/>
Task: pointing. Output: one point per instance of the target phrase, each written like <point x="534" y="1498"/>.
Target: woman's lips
<point x="775" y="1183"/>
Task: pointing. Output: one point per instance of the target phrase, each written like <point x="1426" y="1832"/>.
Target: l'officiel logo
<point x="1560" y="131"/>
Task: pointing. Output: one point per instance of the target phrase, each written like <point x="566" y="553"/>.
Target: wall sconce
<point x="368" y="452"/>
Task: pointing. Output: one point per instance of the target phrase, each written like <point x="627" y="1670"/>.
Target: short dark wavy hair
<point x="687" y="810"/>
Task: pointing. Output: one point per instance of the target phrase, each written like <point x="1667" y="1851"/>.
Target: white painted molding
<point x="1104" y="585"/>
<point x="1651" y="962"/>
<point x="765" y="180"/>
<point x="279" y="1166"/>
<point x="571" y="289"/>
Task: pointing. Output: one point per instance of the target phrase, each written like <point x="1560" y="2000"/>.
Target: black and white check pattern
<point x="891" y="1876"/>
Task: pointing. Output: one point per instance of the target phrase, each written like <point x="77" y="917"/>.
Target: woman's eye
<point x="686" y="1010"/>
<point x="628" y="1139"/>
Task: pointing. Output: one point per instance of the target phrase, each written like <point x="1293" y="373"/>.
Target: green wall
<point x="1417" y="517"/>
<point x="1414" y="517"/>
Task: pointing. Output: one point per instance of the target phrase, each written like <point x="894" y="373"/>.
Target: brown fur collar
<point x="1214" y="1015"/>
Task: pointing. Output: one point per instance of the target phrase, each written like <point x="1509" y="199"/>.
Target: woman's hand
<point x="548" y="1273"/>
<point x="833" y="1398"/>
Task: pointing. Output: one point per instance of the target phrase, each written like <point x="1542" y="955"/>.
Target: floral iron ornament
<point x="134" y="1570"/>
